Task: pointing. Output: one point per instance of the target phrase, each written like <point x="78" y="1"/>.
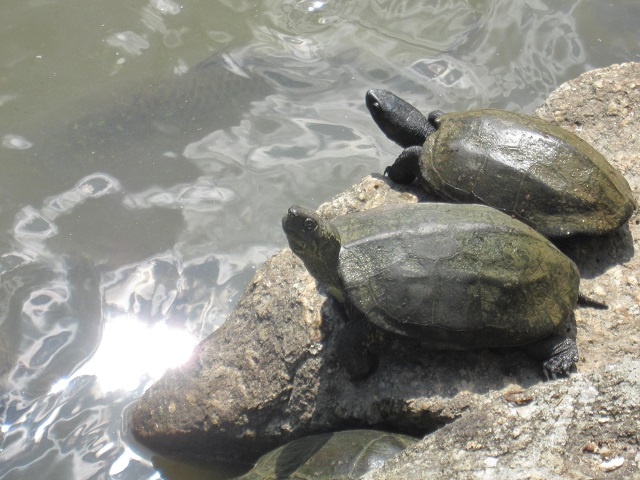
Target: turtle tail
<point x="590" y="302"/>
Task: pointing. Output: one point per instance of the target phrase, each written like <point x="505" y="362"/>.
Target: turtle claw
<point x="560" y="364"/>
<point x="432" y="118"/>
<point x="558" y="354"/>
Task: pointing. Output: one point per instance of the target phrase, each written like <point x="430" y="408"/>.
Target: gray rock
<point x="580" y="428"/>
<point x="269" y="375"/>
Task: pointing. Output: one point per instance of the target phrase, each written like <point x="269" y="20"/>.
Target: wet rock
<point x="269" y="374"/>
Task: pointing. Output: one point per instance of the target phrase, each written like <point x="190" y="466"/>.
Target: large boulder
<point x="269" y="374"/>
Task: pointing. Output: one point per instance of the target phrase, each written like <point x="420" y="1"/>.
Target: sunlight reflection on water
<point x="132" y="351"/>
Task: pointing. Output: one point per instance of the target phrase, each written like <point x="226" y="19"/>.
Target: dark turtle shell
<point x="338" y="456"/>
<point x="540" y="173"/>
<point x="455" y="275"/>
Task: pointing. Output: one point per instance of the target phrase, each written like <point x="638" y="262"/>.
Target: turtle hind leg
<point x="558" y="354"/>
<point x="406" y="167"/>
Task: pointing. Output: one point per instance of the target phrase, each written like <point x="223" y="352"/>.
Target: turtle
<point x="522" y="165"/>
<point x="453" y="276"/>
<point x="343" y="455"/>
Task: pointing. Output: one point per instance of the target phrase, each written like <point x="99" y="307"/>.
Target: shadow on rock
<point x="595" y="255"/>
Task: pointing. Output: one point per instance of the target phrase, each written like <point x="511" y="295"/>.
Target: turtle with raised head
<point x="454" y="276"/>
<point x="524" y="166"/>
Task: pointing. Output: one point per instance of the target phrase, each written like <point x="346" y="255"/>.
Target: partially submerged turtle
<point x="453" y="276"/>
<point x="522" y="165"/>
<point x="342" y="455"/>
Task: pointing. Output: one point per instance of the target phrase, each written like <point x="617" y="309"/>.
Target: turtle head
<point x="317" y="243"/>
<point x="399" y="121"/>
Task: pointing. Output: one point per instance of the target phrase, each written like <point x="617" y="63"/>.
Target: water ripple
<point x="129" y="41"/>
<point x="309" y="16"/>
<point x="16" y="142"/>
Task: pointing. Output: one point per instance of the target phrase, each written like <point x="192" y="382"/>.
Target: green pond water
<point x="149" y="149"/>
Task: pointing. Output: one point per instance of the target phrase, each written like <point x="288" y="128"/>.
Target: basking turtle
<point x="531" y="169"/>
<point x="454" y="276"/>
<point x="339" y="456"/>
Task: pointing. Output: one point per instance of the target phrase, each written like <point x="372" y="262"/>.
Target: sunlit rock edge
<point x="269" y="374"/>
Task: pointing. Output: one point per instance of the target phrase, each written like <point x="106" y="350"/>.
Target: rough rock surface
<point x="582" y="428"/>
<point x="269" y="375"/>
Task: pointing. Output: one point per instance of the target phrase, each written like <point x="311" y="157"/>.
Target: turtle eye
<point x="309" y="224"/>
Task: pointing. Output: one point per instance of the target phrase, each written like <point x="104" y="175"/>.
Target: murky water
<point x="149" y="149"/>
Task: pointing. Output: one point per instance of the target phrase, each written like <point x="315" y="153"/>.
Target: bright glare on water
<point x="130" y="352"/>
<point x="150" y="148"/>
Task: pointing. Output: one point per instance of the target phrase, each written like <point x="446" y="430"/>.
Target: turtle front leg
<point x="357" y="346"/>
<point x="406" y="168"/>
<point x="558" y="354"/>
<point x="432" y="118"/>
<point x="354" y="356"/>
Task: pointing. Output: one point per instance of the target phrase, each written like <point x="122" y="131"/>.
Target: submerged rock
<point x="341" y="455"/>
<point x="269" y="374"/>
